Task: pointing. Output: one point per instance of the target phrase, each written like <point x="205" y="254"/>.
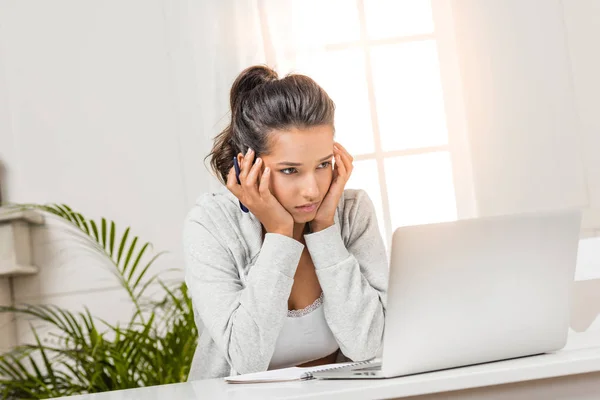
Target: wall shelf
<point x="15" y="241"/>
<point x="16" y="259"/>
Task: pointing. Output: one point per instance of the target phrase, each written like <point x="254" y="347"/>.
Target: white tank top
<point x="305" y="337"/>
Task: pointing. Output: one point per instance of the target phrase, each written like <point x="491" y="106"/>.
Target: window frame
<point x="457" y="146"/>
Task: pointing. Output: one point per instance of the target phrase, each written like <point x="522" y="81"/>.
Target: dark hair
<point x="261" y="102"/>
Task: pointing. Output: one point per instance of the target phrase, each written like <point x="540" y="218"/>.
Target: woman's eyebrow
<point x="295" y="164"/>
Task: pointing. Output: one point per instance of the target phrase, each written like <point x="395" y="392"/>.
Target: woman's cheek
<point x="278" y="188"/>
<point x="326" y="180"/>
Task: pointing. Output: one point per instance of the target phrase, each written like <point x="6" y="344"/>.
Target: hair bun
<point x="249" y="79"/>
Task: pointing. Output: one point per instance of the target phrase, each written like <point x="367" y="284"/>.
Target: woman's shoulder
<point x="356" y="214"/>
<point x="216" y="221"/>
<point x="213" y="209"/>
<point x="354" y="200"/>
<point x="355" y="208"/>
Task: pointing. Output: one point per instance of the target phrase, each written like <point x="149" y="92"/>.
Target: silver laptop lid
<point x="479" y="290"/>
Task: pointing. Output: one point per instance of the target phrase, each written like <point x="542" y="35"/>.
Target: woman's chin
<point x="304" y="218"/>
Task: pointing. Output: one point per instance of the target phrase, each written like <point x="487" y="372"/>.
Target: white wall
<point x="7" y="148"/>
<point x="89" y="117"/>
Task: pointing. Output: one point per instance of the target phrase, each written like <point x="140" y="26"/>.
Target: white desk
<point x="572" y="373"/>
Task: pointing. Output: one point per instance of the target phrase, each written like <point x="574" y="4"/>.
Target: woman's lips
<point x="307" y="207"/>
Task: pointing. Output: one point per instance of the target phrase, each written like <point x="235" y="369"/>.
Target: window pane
<point x="364" y="176"/>
<point x="342" y="74"/>
<point x="420" y="189"/>
<point x="408" y="93"/>
<point x="322" y="22"/>
<point x="389" y="18"/>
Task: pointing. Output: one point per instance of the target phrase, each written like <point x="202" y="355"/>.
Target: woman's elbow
<point x="368" y="347"/>
<point x="246" y="361"/>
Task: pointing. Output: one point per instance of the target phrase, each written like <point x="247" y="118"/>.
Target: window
<point x="380" y="62"/>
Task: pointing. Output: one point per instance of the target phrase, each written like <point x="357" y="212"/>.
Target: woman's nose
<point x="310" y="189"/>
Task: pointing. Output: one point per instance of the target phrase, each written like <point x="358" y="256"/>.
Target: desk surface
<point x="581" y="355"/>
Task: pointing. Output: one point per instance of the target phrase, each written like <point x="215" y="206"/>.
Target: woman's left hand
<point x="341" y="174"/>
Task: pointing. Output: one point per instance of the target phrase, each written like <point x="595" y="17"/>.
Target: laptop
<point x="475" y="291"/>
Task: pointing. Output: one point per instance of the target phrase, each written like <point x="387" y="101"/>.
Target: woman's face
<point x="301" y="169"/>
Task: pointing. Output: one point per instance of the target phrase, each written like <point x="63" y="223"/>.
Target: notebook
<point x="289" y="374"/>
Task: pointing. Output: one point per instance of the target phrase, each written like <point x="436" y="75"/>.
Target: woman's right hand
<point x="257" y="196"/>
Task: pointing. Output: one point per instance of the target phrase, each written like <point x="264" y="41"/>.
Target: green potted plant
<point x="90" y="355"/>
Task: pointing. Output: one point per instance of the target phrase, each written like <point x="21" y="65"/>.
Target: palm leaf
<point x="104" y="236"/>
<point x="154" y="347"/>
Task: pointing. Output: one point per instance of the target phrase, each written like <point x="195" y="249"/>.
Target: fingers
<point x="250" y="183"/>
<point x="264" y="188"/>
<point x="340" y="166"/>
<point x="343" y="159"/>
<point x="347" y="162"/>
<point x="342" y="150"/>
<point x="232" y="184"/>
<point x="339" y="146"/>
<point x="246" y="165"/>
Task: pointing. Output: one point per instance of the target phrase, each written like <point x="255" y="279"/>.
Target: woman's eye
<point x="325" y="164"/>
<point x="289" y="171"/>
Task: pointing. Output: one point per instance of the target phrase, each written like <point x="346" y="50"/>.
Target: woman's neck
<point x="299" y="231"/>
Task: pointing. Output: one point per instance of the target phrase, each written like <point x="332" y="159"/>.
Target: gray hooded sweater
<point x="240" y="284"/>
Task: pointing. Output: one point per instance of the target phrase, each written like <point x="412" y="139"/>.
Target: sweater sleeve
<point x="353" y="278"/>
<point x="244" y="320"/>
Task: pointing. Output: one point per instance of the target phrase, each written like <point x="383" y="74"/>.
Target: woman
<point x="301" y="279"/>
